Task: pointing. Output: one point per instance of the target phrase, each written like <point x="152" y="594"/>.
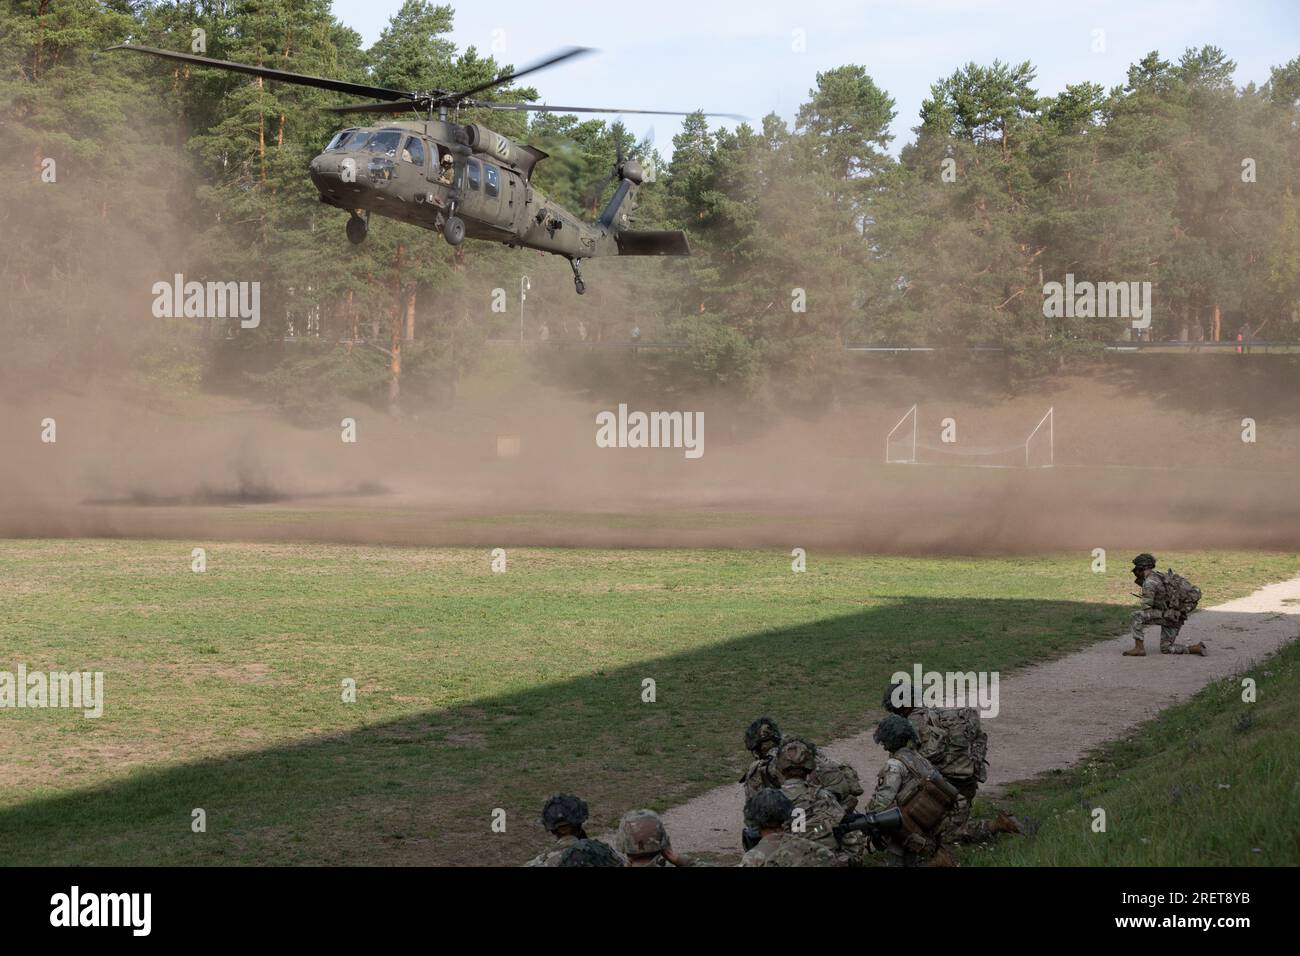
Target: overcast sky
<point x="743" y="57"/>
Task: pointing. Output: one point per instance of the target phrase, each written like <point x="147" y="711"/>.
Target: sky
<point x="753" y="57"/>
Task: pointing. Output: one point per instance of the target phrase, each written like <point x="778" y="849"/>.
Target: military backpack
<point x="840" y="779"/>
<point x="1176" y="595"/>
<point x="925" y="797"/>
<point x="953" y="739"/>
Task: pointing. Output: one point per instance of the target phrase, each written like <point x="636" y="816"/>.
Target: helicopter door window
<point x="446" y="166"/>
<point x="413" y="152"/>
<point x="472" y="169"/>
<point x="493" y="184"/>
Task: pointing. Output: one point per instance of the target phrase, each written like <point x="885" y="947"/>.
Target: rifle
<point x="875" y="825"/>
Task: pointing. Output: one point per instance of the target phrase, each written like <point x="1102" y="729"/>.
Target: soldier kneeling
<point x="1167" y="599"/>
<point x="923" y="797"/>
<point x="820" y="812"/>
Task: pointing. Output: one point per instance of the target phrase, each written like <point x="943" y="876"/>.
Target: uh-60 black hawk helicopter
<point x="461" y="179"/>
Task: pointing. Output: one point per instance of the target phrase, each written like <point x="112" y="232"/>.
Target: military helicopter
<point x="461" y="179"/>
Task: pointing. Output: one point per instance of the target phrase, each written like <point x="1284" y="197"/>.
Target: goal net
<point x="905" y="446"/>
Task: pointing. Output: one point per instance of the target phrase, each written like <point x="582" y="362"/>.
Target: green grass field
<point x="475" y="690"/>
<point x="1211" y="782"/>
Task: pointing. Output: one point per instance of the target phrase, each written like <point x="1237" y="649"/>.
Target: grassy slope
<point x="476" y="690"/>
<point x="1213" y="781"/>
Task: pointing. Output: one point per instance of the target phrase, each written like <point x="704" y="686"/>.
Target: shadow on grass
<point x="422" y="789"/>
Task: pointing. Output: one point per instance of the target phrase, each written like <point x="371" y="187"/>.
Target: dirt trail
<point x="1052" y="714"/>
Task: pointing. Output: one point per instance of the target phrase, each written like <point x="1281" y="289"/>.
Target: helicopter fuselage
<point x="424" y="173"/>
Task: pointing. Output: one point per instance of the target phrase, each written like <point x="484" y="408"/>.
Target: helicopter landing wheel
<point x="357" y="229"/>
<point x="453" y="230"/>
<point x="579" y="286"/>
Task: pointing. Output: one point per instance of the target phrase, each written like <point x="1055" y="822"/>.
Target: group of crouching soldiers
<point x="801" y="807"/>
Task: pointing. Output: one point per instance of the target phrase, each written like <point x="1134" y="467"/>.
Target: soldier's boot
<point x="1005" y="823"/>
<point x="942" y="857"/>
<point x="1198" y="649"/>
<point x="1137" y="650"/>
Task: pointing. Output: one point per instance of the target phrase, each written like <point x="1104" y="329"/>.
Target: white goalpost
<point x="904" y="447"/>
<point x="1050" y="420"/>
<point x="911" y="454"/>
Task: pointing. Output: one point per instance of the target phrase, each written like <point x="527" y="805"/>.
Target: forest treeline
<point x="809" y="236"/>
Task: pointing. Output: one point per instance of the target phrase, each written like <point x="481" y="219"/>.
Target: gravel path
<point x="1052" y="714"/>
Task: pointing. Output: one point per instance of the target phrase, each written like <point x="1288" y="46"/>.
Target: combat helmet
<point x="903" y="691"/>
<point x="760" y="730"/>
<point x="895" y="732"/>
<point x="564" y="809"/>
<point x="795" y="752"/>
<point x="1144" y="560"/>
<point x="768" y="808"/>
<point x="641" y="833"/>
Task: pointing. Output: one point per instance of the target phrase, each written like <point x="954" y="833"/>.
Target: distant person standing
<point x="636" y="338"/>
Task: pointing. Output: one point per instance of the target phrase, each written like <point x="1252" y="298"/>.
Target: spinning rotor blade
<point x="376" y="107"/>
<point x="300" y="79"/>
<point x="534" y="108"/>
<point x="561" y="56"/>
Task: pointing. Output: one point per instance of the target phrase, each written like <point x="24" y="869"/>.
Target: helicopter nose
<point x="335" y="172"/>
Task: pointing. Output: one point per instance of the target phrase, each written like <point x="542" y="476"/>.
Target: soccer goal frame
<point x="911" y="413"/>
<point x="910" y="457"/>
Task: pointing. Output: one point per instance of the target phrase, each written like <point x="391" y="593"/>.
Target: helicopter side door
<point x="471" y="189"/>
<point x="412" y="162"/>
<point x="492" y="196"/>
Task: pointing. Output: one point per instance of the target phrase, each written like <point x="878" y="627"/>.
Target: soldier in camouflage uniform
<point x="898" y="785"/>
<point x="762" y="737"/>
<point x="644" y="841"/>
<point x="1155" y="609"/>
<point x="768" y="811"/>
<point x="586" y="852"/>
<point x="563" y="816"/>
<point x="794" y="762"/>
<point x="952" y="739"/>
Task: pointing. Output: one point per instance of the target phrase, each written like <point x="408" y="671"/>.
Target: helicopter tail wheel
<point x="453" y="230"/>
<point x="579" y="286"/>
<point x="357" y="230"/>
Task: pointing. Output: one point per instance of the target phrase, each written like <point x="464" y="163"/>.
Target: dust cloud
<point x="1146" y="452"/>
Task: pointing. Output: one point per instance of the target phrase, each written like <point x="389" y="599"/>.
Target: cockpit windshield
<point x="385" y="141"/>
<point x="342" y="138"/>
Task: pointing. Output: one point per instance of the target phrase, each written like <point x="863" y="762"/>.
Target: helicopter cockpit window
<point x="472" y="169"/>
<point x="385" y="142"/>
<point x="413" y="151"/>
<point x="340" y="139"/>
<point x="493" y="186"/>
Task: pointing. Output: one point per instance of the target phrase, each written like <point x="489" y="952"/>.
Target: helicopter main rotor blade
<point x="299" y="79"/>
<point x="399" y="107"/>
<point x="562" y="55"/>
<point x="533" y="108"/>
